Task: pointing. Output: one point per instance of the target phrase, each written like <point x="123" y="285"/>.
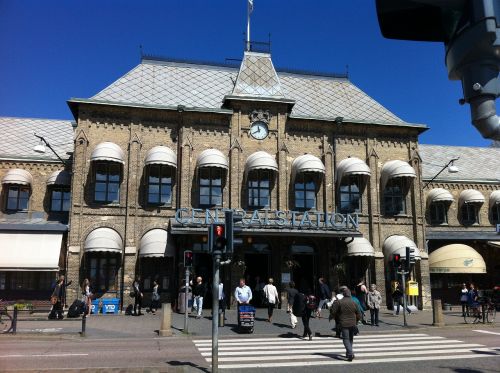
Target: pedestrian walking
<point x="348" y="315"/>
<point x="361" y="294"/>
<point x="222" y="299"/>
<point x="373" y="301"/>
<point x="242" y="295"/>
<point x="324" y="295"/>
<point x="301" y="310"/>
<point x="138" y="295"/>
<point x="57" y="298"/>
<point x="155" y="298"/>
<point x="271" y="297"/>
<point x="397" y="297"/>
<point x="291" y="293"/>
<point x="87" y="296"/>
<point x="259" y="298"/>
<point x="199" y="292"/>
<point x="474" y="301"/>
<point x="464" y="300"/>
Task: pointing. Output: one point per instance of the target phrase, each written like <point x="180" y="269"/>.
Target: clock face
<point x="259" y="130"/>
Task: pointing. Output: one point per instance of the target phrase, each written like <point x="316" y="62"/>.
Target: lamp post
<point x="40" y="148"/>
<point x="452" y="169"/>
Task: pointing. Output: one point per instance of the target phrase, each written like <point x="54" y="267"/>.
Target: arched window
<point x="259" y="188"/>
<point x="350" y="194"/>
<point x="160" y="184"/>
<point x="470" y="213"/>
<point x="438" y="213"/>
<point x="305" y="187"/>
<point x="210" y="179"/>
<point x="395" y="196"/>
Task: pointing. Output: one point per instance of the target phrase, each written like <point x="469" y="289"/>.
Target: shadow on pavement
<point x="176" y="363"/>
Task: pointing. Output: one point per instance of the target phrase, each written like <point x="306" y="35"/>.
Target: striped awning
<point x="212" y="158"/>
<point x="456" y="258"/>
<point x="307" y="163"/>
<point x="397" y="244"/>
<point x="260" y="161"/>
<point x="161" y="155"/>
<point x="108" y="151"/>
<point x="396" y="168"/>
<point x="470" y="196"/>
<point x="17" y="176"/>
<point x="104" y="240"/>
<point x="351" y="166"/>
<point x="360" y="246"/>
<point x="60" y="177"/>
<point x="156" y="244"/>
<point x="439" y="195"/>
<point x="495" y="198"/>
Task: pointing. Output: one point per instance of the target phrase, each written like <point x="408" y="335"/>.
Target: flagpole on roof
<point x="249" y="11"/>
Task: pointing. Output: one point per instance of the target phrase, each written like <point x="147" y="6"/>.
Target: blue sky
<point x="54" y="50"/>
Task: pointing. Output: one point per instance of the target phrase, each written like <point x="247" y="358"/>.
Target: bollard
<point x="14" y="321"/>
<point x="221" y="318"/>
<point x="437" y="313"/>
<point x="84" y="325"/>
<point x="166" y="320"/>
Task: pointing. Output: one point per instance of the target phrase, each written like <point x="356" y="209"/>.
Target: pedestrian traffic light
<point x="396" y="260"/>
<point x="232" y="230"/>
<point x="218" y="233"/>
<point x="410" y="258"/>
<point x="188" y="258"/>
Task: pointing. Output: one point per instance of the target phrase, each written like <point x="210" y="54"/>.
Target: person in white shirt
<point x="243" y="296"/>
<point x="271" y="297"/>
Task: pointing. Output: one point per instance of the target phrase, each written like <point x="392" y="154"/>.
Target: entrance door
<point x="303" y="273"/>
<point x="256" y="274"/>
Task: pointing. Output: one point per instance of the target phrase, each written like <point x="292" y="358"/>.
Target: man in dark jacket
<point x="291" y="293"/>
<point x="59" y="293"/>
<point x="138" y="295"/>
<point x="199" y="292"/>
<point x="348" y="316"/>
<point x="324" y="295"/>
<point x="300" y="309"/>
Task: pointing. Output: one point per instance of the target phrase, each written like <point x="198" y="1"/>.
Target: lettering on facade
<point x="271" y="218"/>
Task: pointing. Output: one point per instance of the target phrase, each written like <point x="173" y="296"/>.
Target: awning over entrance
<point x="439" y="195"/>
<point x="360" y="246"/>
<point x="397" y="245"/>
<point x="351" y="166"/>
<point x="30" y="251"/>
<point x="260" y="161"/>
<point x="470" y="196"/>
<point x="61" y="177"/>
<point x="456" y="258"/>
<point x="155" y="244"/>
<point x="307" y="163"/>
<point x="108" y="151"/>
<point x="161" y="155"/>
<point x="104" y="240"/>
<point x="394" y="169"/>
<point x="17" y="176"/>
<point x="212" y="158"/>
<point x="495" y="198"/>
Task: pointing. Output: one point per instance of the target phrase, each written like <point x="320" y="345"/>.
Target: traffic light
<point x="188" y="258"/>
<point x="232" y="230"/>
<point x="218" y="234"/>
<point x="470" y="31"/>
<point x="410" y="258"/>
<point x="396" y="261"/>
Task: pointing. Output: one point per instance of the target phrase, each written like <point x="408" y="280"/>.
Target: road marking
<point x="41" y="355"/>
<point x="486" y="331"/>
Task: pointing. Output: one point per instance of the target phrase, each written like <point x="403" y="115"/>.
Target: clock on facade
<point x="259" y="130"/>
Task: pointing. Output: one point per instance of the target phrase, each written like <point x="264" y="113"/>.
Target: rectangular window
<point x="350" y="195"/>
<point x="18" y="197"/>
<point x="305" y="191"/>
<point x="495" y="214"/>
<point x="160" y="184"/>
<point x="27" y="280"/>
<point x="60" y="199"/>
<point x="210" y="187"/>
<point x="395" y="196"/>
<point x="259" y="189"/>
<point x="470" y="214"/>
<point x="438" y="213"/>
<point x="107" y="182"/>
<point x="102" y="270"/>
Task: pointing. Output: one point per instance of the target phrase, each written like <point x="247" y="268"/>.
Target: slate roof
<point x="17" y="140"/>
<point x="203" y="85"/>
<point x="475" y="163"/>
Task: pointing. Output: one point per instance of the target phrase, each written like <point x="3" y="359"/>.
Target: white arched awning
<point x="360" y="246"/>
<point x="456" y="258"/>
<point x="470" y="196"/>
<point x="17" y="176"/>
<point x="495" y="198"/>
<point x="260" y="161"/>
<point x="108" y="151"/>
<point x="307" y="163"/>
<point x="212" y="158"/>
<point x="393" y="169"/>
<point x="103" y="239"/>
<point x="61" y="177"/>
<point x="161" y="155"/>
<point x="156" y="244"/>
<point x="439" y="195"/>
<point x="397" y="244"/>
<point x="351" y="166"/>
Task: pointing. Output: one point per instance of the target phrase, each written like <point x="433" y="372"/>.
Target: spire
<point x="249" y="11"/>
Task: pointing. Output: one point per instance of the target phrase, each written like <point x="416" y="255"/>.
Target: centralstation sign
<point x="271" y="218"/>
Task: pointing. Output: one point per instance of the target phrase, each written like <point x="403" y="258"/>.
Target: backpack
<point x="311" y="302"/>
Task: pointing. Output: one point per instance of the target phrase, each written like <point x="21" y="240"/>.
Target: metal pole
<point x="186" y="299"/>
<point x="14" y="321"/>
<point x="403" y="276"/>
<point x="84" y="325"/>
<point x="215" y="311"/>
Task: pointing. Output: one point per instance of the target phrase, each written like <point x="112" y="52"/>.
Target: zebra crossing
<point x="245" y="353"/>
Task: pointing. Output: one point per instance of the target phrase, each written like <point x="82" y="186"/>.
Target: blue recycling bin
<point x="94" y="308"/>
<point x="110" y="305"/>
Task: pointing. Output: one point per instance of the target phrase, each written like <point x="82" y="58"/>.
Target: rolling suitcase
<point x="76" y="309"/>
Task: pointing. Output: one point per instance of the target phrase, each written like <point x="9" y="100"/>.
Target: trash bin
<point x="110" y="305"/>
<point x="181" y="307"/>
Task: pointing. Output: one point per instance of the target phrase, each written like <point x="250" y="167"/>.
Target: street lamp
<point x="452" y="169"/>
<point x="40" y="148"/>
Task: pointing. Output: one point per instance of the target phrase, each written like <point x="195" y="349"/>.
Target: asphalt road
<point x="417" y="350"/>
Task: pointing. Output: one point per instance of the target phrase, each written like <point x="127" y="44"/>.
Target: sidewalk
<point x="146" y="326"/>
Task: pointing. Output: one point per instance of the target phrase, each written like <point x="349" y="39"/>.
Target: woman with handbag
<point x="155" y="298"/>
<point x="87" y="296"/>
<point x="271" y="298"/>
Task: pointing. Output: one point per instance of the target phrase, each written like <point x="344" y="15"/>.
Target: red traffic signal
<point x="218" y="237"/>
<point x="188" y="258"/>
<point x="396" y="260"/>
<point x="219" y="231"/>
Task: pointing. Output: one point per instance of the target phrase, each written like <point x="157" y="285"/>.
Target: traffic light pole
<point x="217" y="255"/>
<point x="403" y="277"/>
<point x="186" y="300"/>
